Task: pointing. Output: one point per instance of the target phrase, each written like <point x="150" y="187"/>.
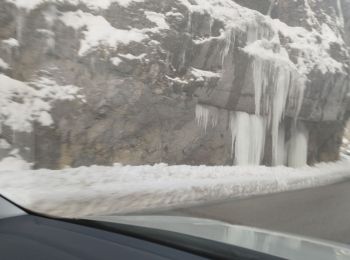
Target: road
<point x="322" y="212"/>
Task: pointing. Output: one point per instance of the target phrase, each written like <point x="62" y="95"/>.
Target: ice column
<point x="206" y="116"/>
<point x="297" y="147"/>
<point x="248" y="138"/>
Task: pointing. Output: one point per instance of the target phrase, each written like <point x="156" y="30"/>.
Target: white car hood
<point x="273" y="243"/>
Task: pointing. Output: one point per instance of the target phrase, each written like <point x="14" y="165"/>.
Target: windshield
<point x="233" y="110"/>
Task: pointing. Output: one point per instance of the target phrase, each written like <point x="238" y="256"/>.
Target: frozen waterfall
<point x="297" y="147"/>
<point x="248" y="138"/>
<point x="207" y="115"/>
<point x="277" y="88"/>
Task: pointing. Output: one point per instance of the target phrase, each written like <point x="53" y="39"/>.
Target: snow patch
<point x="4" y="144"/>
<point x="115" y="61"/>
<point x="130" y="56"/>
<point x="12" y="42"/>
<point x="22" y="103"/>
<point x="4" y="65"/>
<point x="158" y="19"/>
<point x="207" y="115"/>
<point x="201" y="75"/>
<point x="98" y="31"/>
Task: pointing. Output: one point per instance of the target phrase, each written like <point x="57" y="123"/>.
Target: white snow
<point x="4" y="65"/>
<point x="130" y="56"/>
<point x="22" y="103"/>
<point x="92" y="4"/>
<point x="115" y="61"/>
<point x="12" y="42"/>
<point x="14" y="163"/>
<point x="312" y="47"/>
<point x="204" y="74"/>
<point x="4" y="144"/>
<point x="121" y="189"/>
<point x="98" y="31"/>
<point x="158" y="19"/>
<point x="26" y="4"/>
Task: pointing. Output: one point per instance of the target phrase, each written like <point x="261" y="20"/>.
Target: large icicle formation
<point x="248" y="138"/>
<point x="278" y="82"/>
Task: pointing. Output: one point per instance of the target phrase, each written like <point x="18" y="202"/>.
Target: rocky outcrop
<point x="182" y="82"/>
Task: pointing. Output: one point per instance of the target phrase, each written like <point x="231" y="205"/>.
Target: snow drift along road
<point x="120" y="189"/>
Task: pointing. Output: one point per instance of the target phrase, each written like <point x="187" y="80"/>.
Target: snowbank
<point x="121" y="189"/>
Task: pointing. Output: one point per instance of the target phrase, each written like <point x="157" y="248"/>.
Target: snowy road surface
<point x="322" y="212"/>
<point x="119" y="189"/>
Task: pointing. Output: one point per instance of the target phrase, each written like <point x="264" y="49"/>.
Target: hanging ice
<point x="272" y="3"/>
<point x="340" y="12"/>
<point x="277" y="84"/>
<point x="20" y="19"/>
<point x="248" y="138"/>
<point x="228" y="41"/>
<point x="206" y="115"/>
<point x="280" y="156"/>
<point x="297" y="147"/>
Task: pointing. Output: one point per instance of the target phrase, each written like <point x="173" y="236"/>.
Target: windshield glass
<point x="233" y="110"/>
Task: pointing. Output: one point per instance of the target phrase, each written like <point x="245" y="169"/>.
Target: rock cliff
<point x="215" y="82"/>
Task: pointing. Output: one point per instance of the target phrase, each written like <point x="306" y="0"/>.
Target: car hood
<point x="270" y="242"/>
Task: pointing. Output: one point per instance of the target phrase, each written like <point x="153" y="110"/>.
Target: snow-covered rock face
<point x="184" y="81"/>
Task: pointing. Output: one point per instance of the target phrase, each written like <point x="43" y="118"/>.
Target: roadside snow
<point x="14" y="164"/>
<point x="120" y="189"/>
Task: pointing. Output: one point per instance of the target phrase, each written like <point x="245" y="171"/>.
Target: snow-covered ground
<point x="120" y="189"/>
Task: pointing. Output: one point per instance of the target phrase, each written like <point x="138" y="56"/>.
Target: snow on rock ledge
<point x="23" y="103"/>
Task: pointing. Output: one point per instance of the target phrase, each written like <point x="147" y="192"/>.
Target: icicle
<point x="340" y="11"/>
<point x="298" y="145"/>
<point x="51" y="43"/>
<point x="276" y="84"/>
<point x="248" y="138"/>
<point x="257" y="31"/>
<point x="272" y="3"/>
<point x="189" y="23"/>
<point x="50" y="15"/>
<point x="257" y="139"/>
<point x="280" y="157"/>
<point x="281" y="87"/>
<point x="260" y="81"/>
<point x="296" y="93"/>
<point x="229" y="40"/>
<point x="233" y="128"/>
<point x="206" y="115"/>
<point x="19" y="24"/>
<point x="211" y="22"/>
